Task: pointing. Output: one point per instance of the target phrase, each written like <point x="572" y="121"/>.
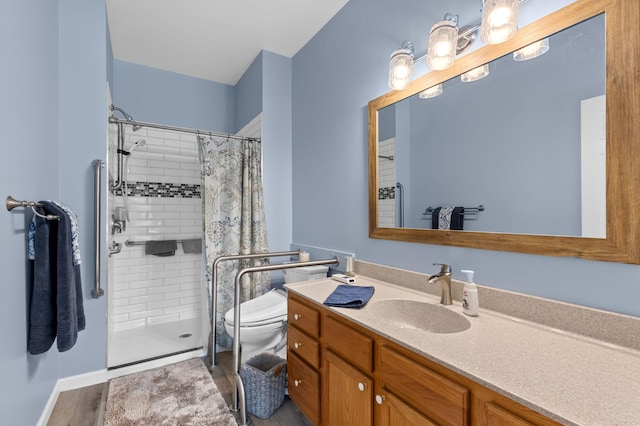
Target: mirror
<point x="527" y="185"/>
<point x="515" y="142"/>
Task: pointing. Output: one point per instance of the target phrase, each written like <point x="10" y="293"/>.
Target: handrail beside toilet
<point x="214" y="289"/>
<point x="239" y="395"/>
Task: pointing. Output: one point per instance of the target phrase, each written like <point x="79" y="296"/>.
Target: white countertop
<point x="572" y="379"/>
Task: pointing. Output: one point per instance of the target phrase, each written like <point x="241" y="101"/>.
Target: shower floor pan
<point x="153" y="341"/>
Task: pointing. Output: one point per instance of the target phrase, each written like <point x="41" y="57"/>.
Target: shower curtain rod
<point x="117" y="120"/>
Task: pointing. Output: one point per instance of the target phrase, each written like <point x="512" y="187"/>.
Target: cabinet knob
<point x="297" y="382"/>
<point x="362" y="386"/>
<point x="297" y="316"/>
<point x="379" y="399"/>
<point x="297" y="345"/>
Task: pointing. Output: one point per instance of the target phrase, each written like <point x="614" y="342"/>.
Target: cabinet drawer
<point x="440" y="398"/>
<point x="304" y="387"/>
<point x="304" y="317"/>
<point x="351" y="344"/>
<point x="304" y="346"/>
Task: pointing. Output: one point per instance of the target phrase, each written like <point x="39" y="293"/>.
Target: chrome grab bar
<point x="214" y="288"/>
<point x="97" y="170"/>
<point x="239" y="397"/>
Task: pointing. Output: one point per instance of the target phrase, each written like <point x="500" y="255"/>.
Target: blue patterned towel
<point x="349" y="296"/>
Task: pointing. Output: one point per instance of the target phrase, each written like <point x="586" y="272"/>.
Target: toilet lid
<point x="263" y="309"/>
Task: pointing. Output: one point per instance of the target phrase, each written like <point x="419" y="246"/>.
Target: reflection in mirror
<point x="527" y="142"/>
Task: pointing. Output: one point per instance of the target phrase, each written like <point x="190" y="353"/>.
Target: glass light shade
<point x="441" y="51"/>
<point x="499" y="20"/>
<point x="431" y="92"/>
<point x="400" y="69"/>
<point x="475" y="74"/>
<point x="531" y="51"/>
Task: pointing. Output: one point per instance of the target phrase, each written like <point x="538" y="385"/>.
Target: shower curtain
<point x="234" y="219"/>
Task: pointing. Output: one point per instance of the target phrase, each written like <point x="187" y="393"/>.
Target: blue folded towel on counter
<point x="349" y="296"/>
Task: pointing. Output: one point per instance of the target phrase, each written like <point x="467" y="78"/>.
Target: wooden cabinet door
<point x="394" y="412"/>
<point x="498" y="416"/>
<point x="349" y="393"/>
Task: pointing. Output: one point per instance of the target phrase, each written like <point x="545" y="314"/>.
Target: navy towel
<point x="42" y="310"/>
<point x="56" y="300"/>
<point x="349" y="296"/>
<point x="192" y="246"/>
<point x="457" y="219"/>
<point x="435" y="218"/>
<point x="161" y="248"/>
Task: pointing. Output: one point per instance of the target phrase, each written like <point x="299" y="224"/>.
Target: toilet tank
<point x="305" y="273"/>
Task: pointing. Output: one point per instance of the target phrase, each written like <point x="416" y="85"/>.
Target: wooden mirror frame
<point x="622" y="242"/>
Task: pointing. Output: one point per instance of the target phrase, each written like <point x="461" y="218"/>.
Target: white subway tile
<point x="129" y="293"/>
<point x="164" y="303"/>
<point x="129" y="308"/>
<point x="145" y="314"/>
<point x="146" y="299"/>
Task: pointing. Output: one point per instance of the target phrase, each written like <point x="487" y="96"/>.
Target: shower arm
<point x="239" y="396"/>
<point x="214" y="288"/>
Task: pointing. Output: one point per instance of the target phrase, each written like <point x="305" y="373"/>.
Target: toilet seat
<point x="267" y="309"/>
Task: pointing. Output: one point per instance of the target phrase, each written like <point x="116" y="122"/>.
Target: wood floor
<point x="86" y="406"/>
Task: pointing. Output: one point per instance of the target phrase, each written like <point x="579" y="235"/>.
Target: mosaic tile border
<point x="388" y="193"/>
<point x="160" y="189"/>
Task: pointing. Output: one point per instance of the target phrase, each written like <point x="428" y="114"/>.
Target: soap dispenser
<point x="470" y="304"/>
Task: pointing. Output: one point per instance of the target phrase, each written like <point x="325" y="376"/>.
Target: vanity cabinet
<point x="303" y="357"/>
<point x="440" y="399"/>
<point x="349" y="393"/>
<point x="341" y="373"/>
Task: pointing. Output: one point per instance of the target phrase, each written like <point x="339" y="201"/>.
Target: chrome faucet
<point x="444" y="279"/>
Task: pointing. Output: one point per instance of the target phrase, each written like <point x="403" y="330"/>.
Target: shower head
<point x="138" y="144"/>
<point x="126" y="116"/>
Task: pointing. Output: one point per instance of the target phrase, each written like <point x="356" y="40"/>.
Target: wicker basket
<point x="264" y="378"/>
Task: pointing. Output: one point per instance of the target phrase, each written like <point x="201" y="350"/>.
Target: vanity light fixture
<point x="532" y="51"/>
<point x="499" y="24"/>
<point x="443" y="41"/>
<point x="499" y="20"/>
<point x="401" y="66"/>
<point x="431" y="92"/>
<point x="476" y="73"/>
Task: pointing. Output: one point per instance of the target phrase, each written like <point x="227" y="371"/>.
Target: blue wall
<point x="53" y="119"/>
<point x="249" y="93"/>
<point x="28" y="170"/>
<point x="158" y="96"/>
<point x="330" y="162"/>
<point x="276" y="149"/>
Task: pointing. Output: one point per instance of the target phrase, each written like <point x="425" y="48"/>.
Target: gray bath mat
<point x="178" y="394"/>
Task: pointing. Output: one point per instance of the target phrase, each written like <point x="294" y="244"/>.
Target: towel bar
<point x="12" y="203"/>
<point x="468" y="211"/>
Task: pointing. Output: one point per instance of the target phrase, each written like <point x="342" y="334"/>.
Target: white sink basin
<point x="410" y="314"/>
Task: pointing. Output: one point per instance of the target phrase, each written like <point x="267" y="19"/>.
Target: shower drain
<point x="185" y="335"/>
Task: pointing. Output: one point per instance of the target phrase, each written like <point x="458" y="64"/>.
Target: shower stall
<point x="155" y="302"/>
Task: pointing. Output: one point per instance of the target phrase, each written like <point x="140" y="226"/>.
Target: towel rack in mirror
<point x="468" y="211"/>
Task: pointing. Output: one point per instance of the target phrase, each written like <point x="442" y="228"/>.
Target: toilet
<point x="263" y="320"/>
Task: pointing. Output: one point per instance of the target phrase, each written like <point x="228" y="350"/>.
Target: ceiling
<point x="212" y="39"/>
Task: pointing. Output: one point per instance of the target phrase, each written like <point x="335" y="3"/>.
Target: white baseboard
<point x="69" y="383"/>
